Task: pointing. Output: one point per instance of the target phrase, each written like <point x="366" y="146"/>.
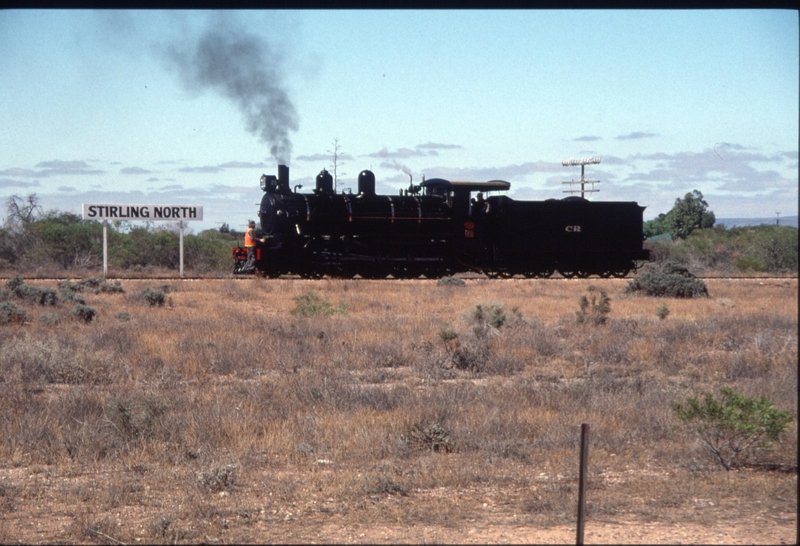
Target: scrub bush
<point x="672" y="281"/>
<point x="137" y="415"/>
<point x="84" y="312"/>
<point x="153" y="297"/>
<point x="429" y="436"/>
<point x="41" y="296"/>
<point x="218" y="479"/>
<point x="50" y="361"/>
<point x="488" y="314"/>
<point x="310" y="304"/>
<point x="593" y="310"/>
<point x="11" y="313"/>
<point x="68" y="295"/>
<point x="451" y="281"/>
<point x="94" y="285"/>
<point x="49" y="319"/>
<point x="735" y="424"/>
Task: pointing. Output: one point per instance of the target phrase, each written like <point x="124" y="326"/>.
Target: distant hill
<point x="742" y="222"/>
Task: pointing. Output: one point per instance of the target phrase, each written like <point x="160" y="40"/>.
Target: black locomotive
<point x="439" y="228"/>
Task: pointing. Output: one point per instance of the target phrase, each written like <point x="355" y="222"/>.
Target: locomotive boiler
<point x="439" y="228"/>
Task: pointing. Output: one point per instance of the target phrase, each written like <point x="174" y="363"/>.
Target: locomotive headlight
<point x="268" y="181"/>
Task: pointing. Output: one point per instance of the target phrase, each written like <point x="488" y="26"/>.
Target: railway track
<point x="297" y="277"/>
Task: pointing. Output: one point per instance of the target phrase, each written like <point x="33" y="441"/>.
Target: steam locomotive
<point x="438" y="228"/>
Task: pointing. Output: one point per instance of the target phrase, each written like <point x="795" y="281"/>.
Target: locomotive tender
<point x="438" y="228"/>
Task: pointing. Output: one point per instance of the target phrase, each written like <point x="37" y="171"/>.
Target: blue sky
<point x="185" y="107"/>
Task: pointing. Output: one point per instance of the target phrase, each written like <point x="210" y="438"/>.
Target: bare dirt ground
<point x="40" y="515"/>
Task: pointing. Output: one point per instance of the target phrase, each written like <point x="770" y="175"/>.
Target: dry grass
<point x="221" y="416"/>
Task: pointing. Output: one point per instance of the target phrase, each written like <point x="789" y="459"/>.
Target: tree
<point x="337" y="162"/>
<point x="66" y="239"/>
<point x="657" y="226"/>
<point x="22" y="212"/>
<point x="776" y="247"/>
<point x="688" y="214"/>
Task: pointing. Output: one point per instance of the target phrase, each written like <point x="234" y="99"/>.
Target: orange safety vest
<point x="250" y="237"/>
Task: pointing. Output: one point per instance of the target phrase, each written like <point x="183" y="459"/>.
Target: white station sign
<point x="186" y="213"/>
<point x="105" y="212"/>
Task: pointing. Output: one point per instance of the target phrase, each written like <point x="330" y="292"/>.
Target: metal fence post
<point x="582" y="482"/>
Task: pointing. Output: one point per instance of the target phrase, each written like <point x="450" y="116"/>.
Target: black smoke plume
<point x="241" y="67"/>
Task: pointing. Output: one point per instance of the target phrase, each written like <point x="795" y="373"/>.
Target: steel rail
<point x="556" y="277"/>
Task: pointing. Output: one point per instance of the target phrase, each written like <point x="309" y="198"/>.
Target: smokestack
<point x="283" y="179"/>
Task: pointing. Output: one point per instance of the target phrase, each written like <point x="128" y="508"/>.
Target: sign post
<point x="151" y="213"/>
<point x="180" y="244"/>
<point x="105" y="249"/>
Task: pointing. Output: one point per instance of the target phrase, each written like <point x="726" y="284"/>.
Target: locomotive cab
<point x="436" y="187"/>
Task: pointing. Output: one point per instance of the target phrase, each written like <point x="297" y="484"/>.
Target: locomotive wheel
<point x="545" y="273"/>
<point x="605" y="274"/>
<point x="582" y="274"/>
<point x="568" y="274"/>
<point x="621" y="273"/>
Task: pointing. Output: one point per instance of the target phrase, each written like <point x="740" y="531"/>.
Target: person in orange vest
<point x="250" y="242"/>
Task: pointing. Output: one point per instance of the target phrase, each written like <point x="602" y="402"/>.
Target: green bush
<point x="672" y="281"/>
<point x="153" y="297"/>
<point x="67" y="240"/>
<point x="733" y="425"/>
<point x="776" y="247"/>
<point x="749" y="263"/>
<point x="754" y="248"/>
<point x="42" y="296"/>
<point x="84" y="312"/>
<point x="49" y="319"/>
<point x="310" y="304"/>
<point x="93" y="284"/>
<point x="68" y="295"/>
<point x="451" y="281"/>
<point x="594" y="309"/>
<point x="11" y="313"/>
<point x="485" y="315"/>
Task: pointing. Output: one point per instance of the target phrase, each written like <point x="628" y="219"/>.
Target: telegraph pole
<point x="582" y="162"/>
